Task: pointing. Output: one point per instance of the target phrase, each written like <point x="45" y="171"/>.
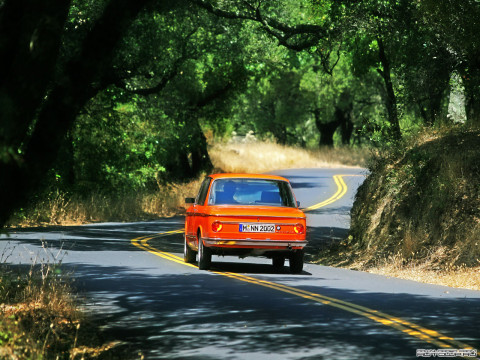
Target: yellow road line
<point x="411" y="329"/>
<point x="142" y="243"/>
<point x="406" y="327"/>
<point x="341" y="191"/>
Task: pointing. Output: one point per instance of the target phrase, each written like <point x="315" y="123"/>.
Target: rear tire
<point x="204" y="256"/>
<point x="188" y="254"/>
<point x="296" y="262"/>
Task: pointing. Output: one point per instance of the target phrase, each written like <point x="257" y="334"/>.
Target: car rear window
<point x="251" y="192"/>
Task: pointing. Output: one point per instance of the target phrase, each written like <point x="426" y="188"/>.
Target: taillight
<point x="217" y="226"/>
<point x="299" y="228"/>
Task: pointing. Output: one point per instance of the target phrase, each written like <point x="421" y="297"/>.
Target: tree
<point x="40" y="99"/>
<point x="330" y="23"/>
<point x="172" y="73"/>
<point x="455" y="26"/>
<point x="331" y="98"/>
<point x="276" y="105"/>
<point x="374" y="25"/>
<point x="180" y="66"/>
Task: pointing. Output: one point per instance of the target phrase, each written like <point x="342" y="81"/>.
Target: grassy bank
<point x="40" y="318"/>
<point x="260" y="157"/>
<point x="417" y="215"/>
<point x="59" y="208"/>
<point x="72" y="209"/>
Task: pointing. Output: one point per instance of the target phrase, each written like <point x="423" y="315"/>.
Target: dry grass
<point x="67" y="209"/>
<point x="259" y="157"/>
<point x="429" y="270"/>
<point x="466" y="278"/>
<point x="39" y="318"/>
<point x="417" y="215"/>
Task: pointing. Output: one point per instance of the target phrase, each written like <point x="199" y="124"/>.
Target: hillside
<point x="418" y="212"/>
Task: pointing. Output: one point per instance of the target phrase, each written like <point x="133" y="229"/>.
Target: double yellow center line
<point x="406" y="327"/>
<point x="409" y="328"/>
<point x="341" y="191"/>
<point x="142" y="243"/>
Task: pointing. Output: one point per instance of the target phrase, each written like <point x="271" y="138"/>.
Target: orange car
<point x="245" y="215"/>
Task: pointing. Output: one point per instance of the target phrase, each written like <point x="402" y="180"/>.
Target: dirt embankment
<point x="418" y="214"/>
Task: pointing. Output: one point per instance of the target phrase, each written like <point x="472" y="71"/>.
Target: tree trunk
<point x="20" y="175"/>
<point x="344" y="115"/>
<point x="391" y="100"/>
<point x="472" y="95"/>
<point x="200" y="159"/>
<point x="65" y="163"/>
<point x="327" y="130"/>
<point x="432" y="110"/>
<point x="347" y="130"/>
<point x="30" y="39"/>
<point x="279" y="131"/>
<point x="177" y="166"/>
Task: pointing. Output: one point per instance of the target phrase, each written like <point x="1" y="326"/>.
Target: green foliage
<point x="303" y="72"/>
<point x="138" y="139"/>
<point x="5" y="335"/>
<point x="170" y="75"/>
<point x="116" y="148"/>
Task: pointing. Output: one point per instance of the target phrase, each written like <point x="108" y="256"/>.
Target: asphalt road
<point x="132" y="279"/>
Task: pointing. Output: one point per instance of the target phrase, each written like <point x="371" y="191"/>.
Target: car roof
<point x="247" y="176"/>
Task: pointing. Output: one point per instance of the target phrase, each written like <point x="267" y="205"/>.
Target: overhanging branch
<point x="166" y="78"/>
<point x="296" y="37"/>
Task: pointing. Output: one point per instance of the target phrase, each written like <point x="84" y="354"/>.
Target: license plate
<point x="257" y="228"/>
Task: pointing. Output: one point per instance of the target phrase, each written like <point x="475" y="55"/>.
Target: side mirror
<point x="298" y="204"/>
<point x="190" y="200"/>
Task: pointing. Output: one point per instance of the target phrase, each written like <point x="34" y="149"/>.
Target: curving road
<point x="134" y="280"/>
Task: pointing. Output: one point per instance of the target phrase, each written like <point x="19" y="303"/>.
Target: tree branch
<point x="169" y="75"/>
<point x="284" y="33"/>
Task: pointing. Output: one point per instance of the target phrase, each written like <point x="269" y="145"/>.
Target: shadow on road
<point x="118" y="236"/>
<point x="200" y="315"/>
<point x="308" y="182"/>
<point x="205" y="316"/>
<point x="99" y="237"/>
<point x="248" y="268"/>
<point x="320" y="238"/>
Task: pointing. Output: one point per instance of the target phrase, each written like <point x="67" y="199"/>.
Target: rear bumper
<point x="255" y="244"/>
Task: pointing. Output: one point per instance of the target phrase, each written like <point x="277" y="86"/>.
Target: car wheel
<point x="188" y="254"/>
<point x="204" y="256"/>
<point x="296" y="262"/>
<point x="278" y="263"/>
